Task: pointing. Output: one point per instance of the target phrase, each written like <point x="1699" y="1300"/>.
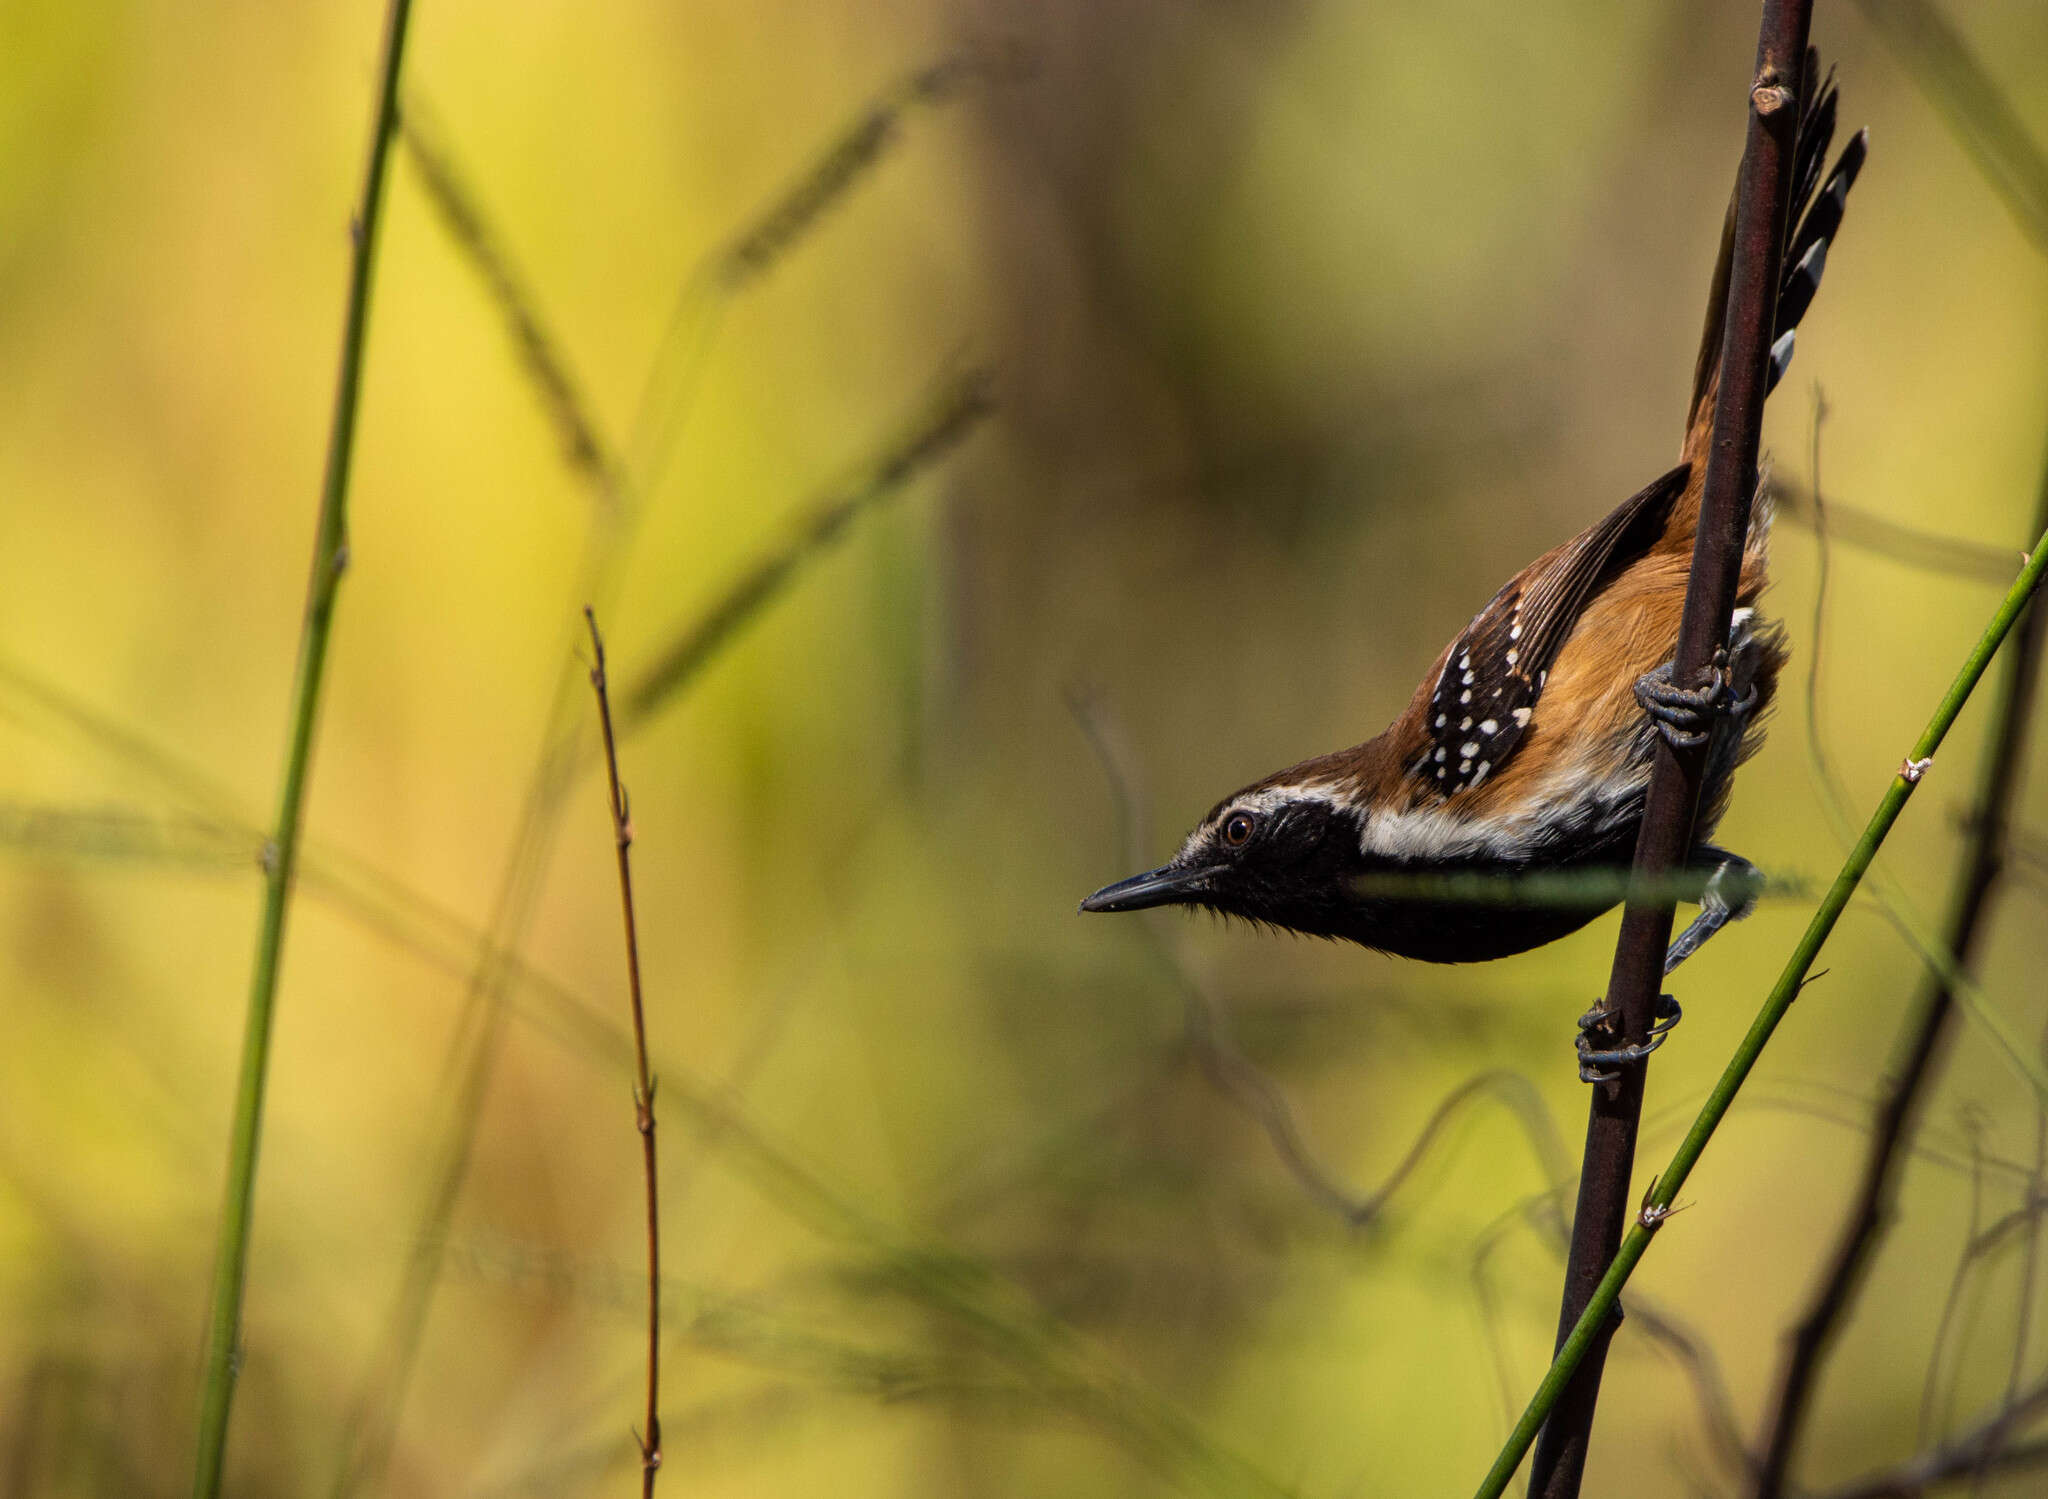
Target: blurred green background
<point x="1306" y="324"/>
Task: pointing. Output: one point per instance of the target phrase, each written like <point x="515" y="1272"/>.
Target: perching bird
<point x="1528" y="746"/>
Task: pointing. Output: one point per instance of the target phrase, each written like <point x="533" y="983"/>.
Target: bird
<point x="1528" y="746"/>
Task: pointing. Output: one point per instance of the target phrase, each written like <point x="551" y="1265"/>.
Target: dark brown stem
<point x="1926" y="1037"/>
<point x="643" y="1083"/>
<point x="1666" y="838"/>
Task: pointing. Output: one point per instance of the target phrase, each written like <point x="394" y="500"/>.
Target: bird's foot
<point x="1593" y="1056"/>
<point x="1685" y="715"/>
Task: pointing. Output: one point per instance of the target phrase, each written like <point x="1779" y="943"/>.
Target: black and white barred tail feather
<point x="1814" y="218"/>
<point x="1815" y="213"/>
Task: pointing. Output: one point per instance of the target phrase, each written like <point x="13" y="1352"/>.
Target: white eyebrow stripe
<point x="1272" y="798"/>
<point x="1266" y="799"/>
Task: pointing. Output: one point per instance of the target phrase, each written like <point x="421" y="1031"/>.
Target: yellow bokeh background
<point x="1305" y="325"/>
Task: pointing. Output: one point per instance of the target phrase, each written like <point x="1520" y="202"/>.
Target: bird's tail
<point x="1814" y="217"/>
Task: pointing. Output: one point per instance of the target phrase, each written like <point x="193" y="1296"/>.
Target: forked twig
<point x="643" y="1083"/>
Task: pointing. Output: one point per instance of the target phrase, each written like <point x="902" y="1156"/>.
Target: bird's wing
<point x="1494" y="674"/>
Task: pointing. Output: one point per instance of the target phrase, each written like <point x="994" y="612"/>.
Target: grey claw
<point x="1685" y="716"/>
<point x="1592" y="1058"/>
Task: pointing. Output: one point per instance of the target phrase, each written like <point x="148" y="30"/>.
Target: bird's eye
<point x="1237" y="829"/>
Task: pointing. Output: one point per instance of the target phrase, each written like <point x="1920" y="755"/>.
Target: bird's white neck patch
<point x="1431" y="833"/>
<point x="1575" y="798"/>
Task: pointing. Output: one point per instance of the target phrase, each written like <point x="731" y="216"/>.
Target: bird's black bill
<point x="1160" y="887"/>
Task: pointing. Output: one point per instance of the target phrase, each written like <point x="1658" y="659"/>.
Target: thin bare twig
<point x="643" y="1083"/>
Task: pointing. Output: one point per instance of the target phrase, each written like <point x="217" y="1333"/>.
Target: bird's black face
<point x="1270" y="855"/>
<point x="1293" y="858"/>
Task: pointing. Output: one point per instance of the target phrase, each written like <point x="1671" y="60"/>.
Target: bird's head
<point x="1281" y="854"/>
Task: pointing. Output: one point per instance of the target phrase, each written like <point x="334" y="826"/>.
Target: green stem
<point x="1657" y="1206"/>
<point x="280" y="855"/>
